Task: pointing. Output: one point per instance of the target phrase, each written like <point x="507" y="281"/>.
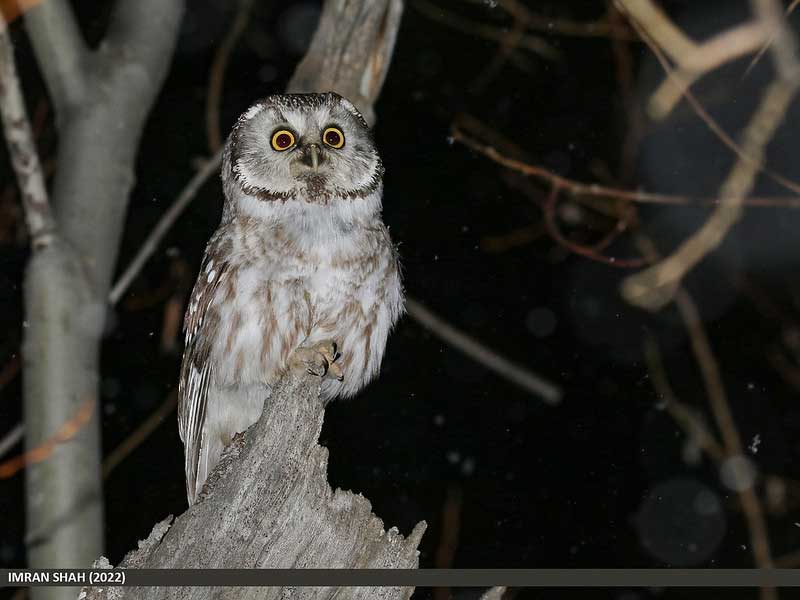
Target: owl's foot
<point x="319" y="360"/>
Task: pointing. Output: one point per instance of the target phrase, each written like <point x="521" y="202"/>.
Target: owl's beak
<point x="311" y="155"/>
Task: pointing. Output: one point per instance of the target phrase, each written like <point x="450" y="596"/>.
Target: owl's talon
<point x="318" y="360"/>
<point x="329" y="349"/>
<point x="308" y="360"/>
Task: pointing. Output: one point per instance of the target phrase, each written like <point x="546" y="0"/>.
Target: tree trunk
<point x="102" y="99"/>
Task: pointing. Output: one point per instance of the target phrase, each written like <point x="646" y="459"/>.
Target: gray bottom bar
<point x="555" y="578"/>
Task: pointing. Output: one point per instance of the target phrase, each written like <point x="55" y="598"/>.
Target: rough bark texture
<point x="100" y="120"/>
<point x="268" y="503"/>
<point x="351" y="51"/>
<point x="22" y="148"/>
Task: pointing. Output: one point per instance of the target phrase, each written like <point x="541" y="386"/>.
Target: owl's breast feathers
<point x="260" y="295"/>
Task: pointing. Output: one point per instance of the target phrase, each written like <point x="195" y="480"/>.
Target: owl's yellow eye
<point x="333" y="137"/>
<point x="283" y="139"/>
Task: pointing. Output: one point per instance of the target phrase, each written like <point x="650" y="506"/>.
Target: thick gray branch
<point x="99" y="141"/>
<point x="60" y="52"/>
<point x="102" y="98"/>
<point x="140" y="35"/>
<point x="351" y="51"/>
<point x="64" y="511"/>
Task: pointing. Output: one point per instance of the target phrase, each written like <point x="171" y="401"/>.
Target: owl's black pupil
<point x="283" y="140"/>
<point x="333" y="138"/>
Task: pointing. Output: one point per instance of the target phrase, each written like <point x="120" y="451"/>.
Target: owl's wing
<point x="197" y="368"/>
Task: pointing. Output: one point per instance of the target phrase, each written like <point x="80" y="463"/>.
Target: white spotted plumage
<point x="301" y="256"/>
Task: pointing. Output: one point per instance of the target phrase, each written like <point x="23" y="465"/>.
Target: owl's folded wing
<point x="196" y="369"/>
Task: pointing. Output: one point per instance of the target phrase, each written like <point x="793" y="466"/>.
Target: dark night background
<point x="606" y="478"/>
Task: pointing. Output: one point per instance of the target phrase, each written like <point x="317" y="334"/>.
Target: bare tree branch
<point x="554" y="25"/>
<point x="22" y="148"/>
<point x="730" y="454"/>
<point x="138" y="435"/>
<point x="694" y="60"/>
<point x="656" y="286"/>
<point x="165" y="223"/>
<point x="768" y="43"/>
<point x="100" y="120"/>
<point x="216" y="77"/>
<point x="355" y="66"/>
<point x="530" y="42"/>
<point x="61" y="53"/>
<point x="517" y="374"/>
<point x="578" y="188"/>
<point x="11" y="439"/>
<point x="683" y="415"/>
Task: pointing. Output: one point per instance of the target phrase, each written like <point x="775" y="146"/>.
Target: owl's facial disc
<point x="314" y="147"/>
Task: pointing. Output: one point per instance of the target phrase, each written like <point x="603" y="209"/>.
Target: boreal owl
<point x="300" y="273"/>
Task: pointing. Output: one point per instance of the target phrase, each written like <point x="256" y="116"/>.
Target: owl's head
<point x="313" y="148"/>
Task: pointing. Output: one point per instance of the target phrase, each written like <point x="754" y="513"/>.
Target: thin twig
<point x="709" y="369"/>
<point x="22" y="148"/>
<point x="625" y="75"/>
<point x="769" y="41"/>
<point x="459" y="23"/>
<point x="553" y="229"/>
<point x="504" y="53"/>
<point x="11" y="439"/>
<point x="723" y="417"/>
<point x="602" y="191"/>
<point x="44" y="450"/>
<point x="141" y="432"/>
<point x="163" y="226"/>
<point x="784" y="48"/>
<point x="517" y="374"/>
<point x="751" y="505"/>
<point x="558" y="26"/>
<point x="138" y="435"/>
<point x="217" y="74"/>
<point x="681" y="413"/>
